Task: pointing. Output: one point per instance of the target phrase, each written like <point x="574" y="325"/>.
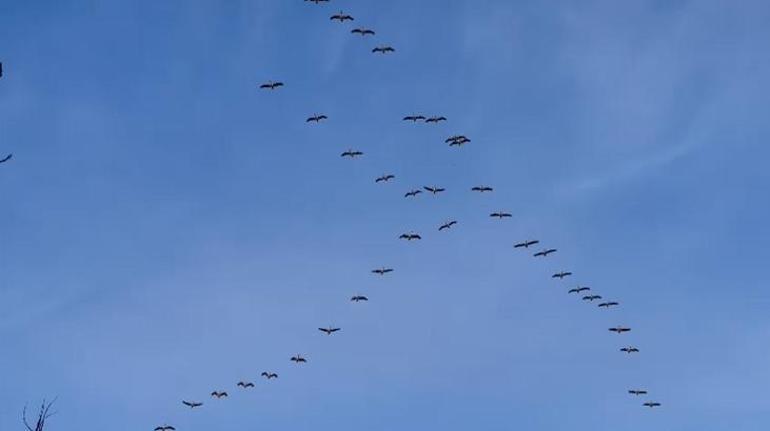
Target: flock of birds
<point x="584" y="292"/>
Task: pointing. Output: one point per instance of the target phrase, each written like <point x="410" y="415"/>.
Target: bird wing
<point x="6" y="158"/>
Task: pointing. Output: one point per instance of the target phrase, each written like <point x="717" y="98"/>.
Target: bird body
<point x="384" y="178"/>
<point x="298" y="359"/>
<point x="501" y="215"/>
<point x="447" y="225"/>
<point x="561" y="275"/>
<point x="352" y="154"/>
<point x="619" y="329"/>
<point x="410" y="236"/>
<point x="192" y="404"/>
<point x="526" y="244"/>
<point x="383" y="49"/>
<point x="359" y="298"/>
<point x="482" y="189"/>
<point x="412" y="193"/>
<point x="545" y="253"/>
<point x="316" y="118"/>
<point x="270" y="85"/>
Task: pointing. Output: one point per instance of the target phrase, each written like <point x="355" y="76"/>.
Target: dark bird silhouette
<point x="591" y="298"/>
<point x="410" y="236"/>
<point x="269" y="376"/>
<point x="318" y="1"/>
<point x="1" y="69"/>
<point x="459" y="143"/>
<point x="447" y="225"/>
<point x="341" y="17"/>
<point x="165" y="428"/>
<point x="382" y="271"/>
<point x="316" y="118"/>
<point x="637" y="392"/>
<point x="245" y="385"/>
<point x="545" y="253"/>
<point x="362" y="31"/>
<point x="329" y="330"/>
<point x="219" y="395"/>
<point x="270" y="85"/>
<point x="608" y="304"/>
<point x="561" y="275"/>
<point x="619" y="329"/>
<point x="526" y="244"/>
<point x="434" y="190"/>
<point x="579" y="289"/>
<point x="298" y="359"/>
<point x="359" y="298"/>
<point x="629" y="350"/>
<point x="412" y="193"/>
<point x="383" y="49"/>
<point x="435" y="120"/>
<point x="414" y="118"/>
<point x="192" y="404"/>
<point x="501" y="215"/>
<point x="352" y="154"/>
<point x="481" y="189"/>
<point x="6" y="158"/>
<point x="457" y="140"/>
<point x="651" y="404"/>
<point x="384" y="178"/>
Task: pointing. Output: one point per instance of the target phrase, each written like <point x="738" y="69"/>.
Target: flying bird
<point x="481" y="189"/>
<point x="384" y="178"/>
<point x="608" y="304"/>
<point x="591" y="298"/>
<point x="637" y="392"/>
<point x="269" y="376"/>
<point x="270" y="85"/>
<point x="410" y="236"/>
<point x="341" y="17"/>
<point x="1" y="69"/>
<point x="165" y="428"/>
<point x="651" y="404"/>
<point x="561" y="275"/>
<point x="362" y="31"/>
<point x="298" y="359"/>
<point x="316" y="118"/>
<point x="359" y="298"/>
<point x="383" y="49"/>
<point x="352" y="154"/>
<point x="219" y="395"/>
<point x="192" y="404"/>
<point x="412" y="193"/>
<point x="318" y="1"/>
<point x="459" y="142"/>
<point x="414" y="118"/>
<point x="245" y="385"/>
<point x="6" y="158"/>
<point x="456" y="138"/>
<point x="447" y="225"/>
<point x="329" y="330"/>
<point x="382" y="271"/>
<point x="434" y="190"/>
<point x="620" y="330"/>
<point x="545" y="253"/>
<point x="629" y="350"/>
<point x="526" y="244"/>
<point x="500" y="215"/>
<point x="579" y="289"/>
<point x="435" y="119"/>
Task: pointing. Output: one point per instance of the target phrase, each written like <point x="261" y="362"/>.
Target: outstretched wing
<point x="6" y="158"/>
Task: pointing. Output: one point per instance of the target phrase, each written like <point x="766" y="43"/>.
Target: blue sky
<point x="167" y="229"/>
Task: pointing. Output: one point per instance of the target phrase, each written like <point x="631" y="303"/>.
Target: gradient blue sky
<point x="166" y="229"/>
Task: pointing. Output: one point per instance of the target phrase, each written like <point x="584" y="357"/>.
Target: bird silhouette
<point x="591" y="298"/>
<point x="268" y="375"/>
<point x="410" y="236"/>
<point x="316" y="118"/>
<point x="500" y="215"/>
<point x="561" y="275"/>
<point x="457" y="138"/>
<point x="382" y="271"/>
<point x="414" y="118"/>
<point x="637" y="392"/>
<point x="608" y="304"/>
<point x="298" y="359"/>
<point x="245" y="385"/>
<point x="270" y="85"/>
<point x="629" y="350"/>
<point x="384" y="178"/>
<point x="318" y="1"/>
<point x="352" y="154"/>
<point x="192" y="404"/>
<point x="218" y="395"/>
<point x="6" y="158"/>
<point x="341" y="17"/>
<point x="459" y="143"/>
<point x="579" y="289"/>
<point x="651" y="404"/>
<point x="447" y="225"/>
<point x="526" y="244"/>
<point x="359" y="298"/>
<point x="165" y="428"/>
<point x="545" y="253"/>
<point x="435" y="120"/>
<point x="619" y="329"/>
<point x="330" y="330"/>
<point x="482" y="189"/>
<point x="362" y="31"/>
<point x="412" y="193"/>
<point x="383" y="49"/>
<point x="434" y="190"/>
